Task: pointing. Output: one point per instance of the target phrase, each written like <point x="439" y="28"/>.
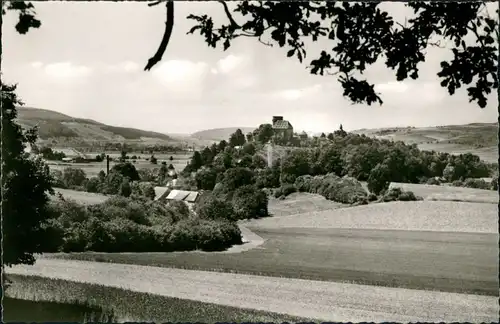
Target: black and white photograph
<point x="250" y="161"/>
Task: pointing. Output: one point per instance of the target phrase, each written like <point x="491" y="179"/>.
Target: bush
<point x="433" y="181"/>
<point x="285" y="190"/>
<point x="205" y="179"/>
<point x="303" y="183"/>
<point x="211" y="207"/>
<point x="494" y="183"/>
<point x="73" y="177"/>
<point x="267" y="178"/>
<point x="397" y="194"/>
<point x="250" y="202"/>
<point x="346" y="190"/>
<point x="127" y="225"/>
<point x="477" y="184"/>
<point x="379" y="179"/>
<point x="127" y="170"/>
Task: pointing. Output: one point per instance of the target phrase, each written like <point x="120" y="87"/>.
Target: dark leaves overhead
<point x="362" y="33"/>
<point x="27" y="13"/>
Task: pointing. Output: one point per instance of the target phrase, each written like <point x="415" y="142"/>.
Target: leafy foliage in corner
<point x="26" y="183"/>
<point x="363" y="33"/>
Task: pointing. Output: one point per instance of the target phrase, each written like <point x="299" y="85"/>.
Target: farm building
<point x="161" y="193"/>
<point x="282" y="128"/>
<point x="71" y="154"/>
<point x="188" y="197"/>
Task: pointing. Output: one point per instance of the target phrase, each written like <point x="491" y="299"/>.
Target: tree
<point x="249" y="148"/>
<point x="125" y="189"/>
<point x="379" y="179"/>
<point x="250" y="202"/>
<point x="249" y="137"/>
<point x="26" y="183"/>
<point x="206" y="178"/>
<point x="153" y="159"/>
<point x="196" y="162"/>
<point x="222" y="146"/>
<point x="264" y="133"/>
<point x="73" y="177"/>
<point x="127" y="170"/>
<point x="207" y="156"/>
<point x="211" y="207"/>
<point x="237" y="138"/>
<point x="93" y="185"/>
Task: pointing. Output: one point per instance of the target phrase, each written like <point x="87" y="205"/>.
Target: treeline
<point x="362" y="158"/>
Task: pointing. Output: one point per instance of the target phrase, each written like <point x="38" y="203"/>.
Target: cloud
<point x="65" y="70"/>
<point x="127" y="67"/>
<point x="229" y="63"/>
<point x="296" y="94"/>
<point x="392" y="86"/>
<point x="182" y="76"/>
<point x="37" y="64"/>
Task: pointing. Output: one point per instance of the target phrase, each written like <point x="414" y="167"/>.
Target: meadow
<point x="364" y="244"/>
<point x="82" y="197"/>
<point x="450" y="193"/>
<point x="71" y="301"/>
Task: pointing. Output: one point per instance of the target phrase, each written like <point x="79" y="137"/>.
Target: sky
<point x="87" y="59"/>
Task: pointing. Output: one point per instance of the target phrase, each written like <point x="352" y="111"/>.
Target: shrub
<point x="285" y="190"/>
<point x="268" y="178"/>
<point x="206" y="179"/>
<point x="93" y="185"/>
<point x="123" y="225"/>
<point x="125" y="189"/>
<point x="303" y="183"/>
<point x="73" y="177"/>
<point x="345" y="190"/>
<point x="127" y="170"/>
<point x="477" y="184"/>
<point x="397" y="194"/>
<point x="379" y="179"/>
<point x="457" y="183"/>
<point x="250" y="202"/>
<point x="211" y="207"/>
<point x="433" y="181"/>
<point x="494" y="183"/>
<point x="180" y="208"/>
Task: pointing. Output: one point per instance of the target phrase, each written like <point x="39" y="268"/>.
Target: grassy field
<point x="122" y="305"/>
<point x="414" y="216"/>
<point x="92" y="169"/>
<point x="480" y="139"/>
<point x="82" y="197"/>
<point x="308" y="246"/>
<point x="450" y="193"/>
<point x="299" y="203"/>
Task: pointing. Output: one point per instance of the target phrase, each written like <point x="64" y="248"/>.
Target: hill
<point x="60" y="128"/>
<point x="219" y="134"/>
<point x="476" y="138"/>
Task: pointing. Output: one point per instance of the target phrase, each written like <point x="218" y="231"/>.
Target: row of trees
<point x="366" y="159"/>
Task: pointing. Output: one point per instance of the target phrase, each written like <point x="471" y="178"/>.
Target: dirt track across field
<point x="307" y="298"/>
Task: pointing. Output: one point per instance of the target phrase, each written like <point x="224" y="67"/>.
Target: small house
<point x="186" y="196"/>
<point x="161" y="193"/>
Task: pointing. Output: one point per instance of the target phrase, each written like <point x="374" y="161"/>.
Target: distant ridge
<point x="53" y="125"/>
